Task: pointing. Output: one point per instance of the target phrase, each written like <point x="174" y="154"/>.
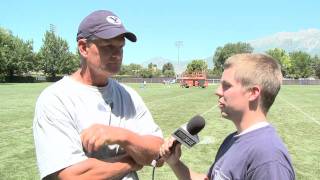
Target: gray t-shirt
<point x="66" y="108"/>
<point x="259" y="154"/>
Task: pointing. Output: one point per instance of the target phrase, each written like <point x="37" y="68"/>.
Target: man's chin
<point x="111" y="71"/>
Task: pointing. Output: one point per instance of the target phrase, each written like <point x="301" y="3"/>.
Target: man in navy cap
<point x="88" y="126"/>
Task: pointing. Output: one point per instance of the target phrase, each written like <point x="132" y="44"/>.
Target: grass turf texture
<point x="295" y="114"/>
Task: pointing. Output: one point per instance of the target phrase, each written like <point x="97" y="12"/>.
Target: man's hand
<point x="170" y="156"/>
<point x="98" y="135"/>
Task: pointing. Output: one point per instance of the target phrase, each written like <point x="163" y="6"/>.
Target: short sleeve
<point x="143" y="121"/>
<point x="271" y="171"/>
<point x="57" y="141"/>
<point x="146" y="122"/>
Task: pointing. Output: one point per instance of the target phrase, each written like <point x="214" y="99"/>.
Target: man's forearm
<point x="97" y="169"/>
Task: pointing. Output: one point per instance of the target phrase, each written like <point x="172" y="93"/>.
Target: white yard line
<point x="209" y="110"/>
<point x="300" y="110"/>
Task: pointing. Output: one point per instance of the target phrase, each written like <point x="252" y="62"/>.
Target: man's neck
<point x="89" y="78"/>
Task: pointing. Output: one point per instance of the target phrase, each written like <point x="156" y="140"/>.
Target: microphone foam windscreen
<point x="196" y="124"/>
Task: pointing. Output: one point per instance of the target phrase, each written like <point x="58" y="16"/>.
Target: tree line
<point x="54" y="58"/>
<point x="297" y="64"/>
<point x="17" y="58"/>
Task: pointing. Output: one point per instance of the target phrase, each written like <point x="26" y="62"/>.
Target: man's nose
<point x="117" y="55"/>
<point x="219" y="91"/>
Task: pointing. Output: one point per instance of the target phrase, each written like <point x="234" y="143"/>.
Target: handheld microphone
<point x="186" y="134"/>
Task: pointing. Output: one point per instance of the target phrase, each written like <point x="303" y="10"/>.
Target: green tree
<point x="71" y="64"/>
<point x="168" y="73"/>
<point x="153" y="69"/>
<point x="124" y="70"/>
<point x="301" y="64"/>
<point x="145" y="73"/>
<point x="316" y="66"/>
<point x="16" y="55"/>
<point x="55" y="57"/>
<point x="158" y="73"/>
<point x="24" y="57"/>
<point x="5" y="39"/>
<point x="212" y="74"/>
<point x="223" y="53"/>
<point x="168" y="70"/>
<point x="152" y="66"/>
<point x="131" y="69"/>
<point x="167" y="66"/>
<point x="283" y="59"/>
<point x="197" y="65"/>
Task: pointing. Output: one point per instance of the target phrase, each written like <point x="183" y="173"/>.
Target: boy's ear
<point x="255" y="92"/>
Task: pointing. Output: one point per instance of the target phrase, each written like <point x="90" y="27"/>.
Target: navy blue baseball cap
<point x="103" y="24"/>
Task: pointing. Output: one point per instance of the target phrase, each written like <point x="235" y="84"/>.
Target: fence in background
<point x="140" y="80"/>
<point x="285" y="81"/>
<point x="216" y="81"/>
<point x="301" y="81"/>
<point x="30" y="79"/>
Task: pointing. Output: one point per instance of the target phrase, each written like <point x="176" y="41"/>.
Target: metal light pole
<point x="178" y="45"/>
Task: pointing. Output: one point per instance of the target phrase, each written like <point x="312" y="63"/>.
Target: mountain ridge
<point x="307" y="40"/>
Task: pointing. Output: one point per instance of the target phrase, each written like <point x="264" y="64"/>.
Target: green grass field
<point x="295" y="114"/>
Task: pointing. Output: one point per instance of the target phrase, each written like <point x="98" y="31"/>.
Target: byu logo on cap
<point x="113" y="20"/>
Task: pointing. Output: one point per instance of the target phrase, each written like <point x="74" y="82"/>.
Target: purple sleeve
<point x="272" y="170"/>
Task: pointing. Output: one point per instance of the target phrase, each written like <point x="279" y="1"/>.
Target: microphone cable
<point x="154" y="164"/>
<point x="153" y="171"/>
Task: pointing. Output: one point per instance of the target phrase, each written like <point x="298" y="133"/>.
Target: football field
<point x="295" y="114"/>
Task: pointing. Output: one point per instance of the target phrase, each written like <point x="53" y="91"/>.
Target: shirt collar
<point x="253" y="127"/>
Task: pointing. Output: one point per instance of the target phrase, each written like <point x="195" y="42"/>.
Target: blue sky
<point x="202" y="25"/>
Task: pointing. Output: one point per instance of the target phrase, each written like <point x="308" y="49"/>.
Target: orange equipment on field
<point x="197" y="79"/>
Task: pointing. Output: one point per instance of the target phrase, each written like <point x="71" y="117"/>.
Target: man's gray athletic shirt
<point x="67" y="107"/>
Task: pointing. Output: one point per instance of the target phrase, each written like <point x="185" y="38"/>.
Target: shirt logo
<point x="113" y="20"/>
